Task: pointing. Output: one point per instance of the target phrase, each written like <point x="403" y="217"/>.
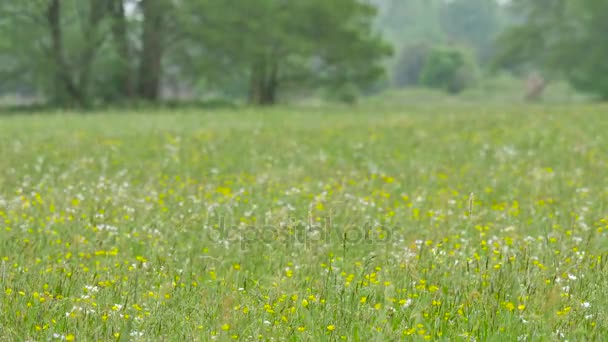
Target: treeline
<point x="83" y="52"/>
<point x="450" y="43"/>
<point x="439" y="43"/>
<point x="88" y="52"/>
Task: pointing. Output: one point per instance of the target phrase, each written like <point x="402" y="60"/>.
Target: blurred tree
<point x="449" y="69"/>
<point x="153" y="40"/>
<point x="278" y="45"/>
<point x="81" y="52"/>
<point x="406" y="21"/>
<point x="410" y="63"/>
<point x="563" y="38"/>
<point x="51" y="50"/>
<point x="124" y="69"/>
<point x="475" y="23"/>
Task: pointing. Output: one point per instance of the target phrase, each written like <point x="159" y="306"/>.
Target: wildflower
<point x="331" y="327"/>
<point x="405" y="302"/>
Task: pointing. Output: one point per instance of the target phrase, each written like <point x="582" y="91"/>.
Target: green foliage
<point x="475" y="23"/>
<point x="346" y="93"/>
<point x="563" y="39"/>
<point x="449" y="69"/>
<point x="407" y="21"/>
<point x="471" y="23"/>
<point x="90" y="51"/>
<point x="61" y="59"/>
<point x="410" y="63"/>
<point x="271" y="45"/>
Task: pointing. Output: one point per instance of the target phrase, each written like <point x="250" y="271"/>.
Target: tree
<point x="475" y="23"/>
<point x="405" y="22"/>
<point x="74" y="82"/>
<point x="63" y="40"/>
<point x="82" y="52"/>
<point x="125" y="73"/>
<point x="279" y="45"/>
<point x="153" y="42"/>
<point x="410" y="63"/>
<point x="563" y="39"/>
<point x="449" y="69"/>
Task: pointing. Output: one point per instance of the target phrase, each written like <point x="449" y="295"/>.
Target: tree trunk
<point x="65" y="89"/>
<point x="264" y="83"/>
<point x="121" y="41"/>
<point x="97" y="11"/>
<point x="150" y="67"/>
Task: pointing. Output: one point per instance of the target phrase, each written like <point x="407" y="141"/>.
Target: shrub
<point x="449" y="69"/>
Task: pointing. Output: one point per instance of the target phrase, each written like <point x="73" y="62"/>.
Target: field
<point x="432" y="222"/>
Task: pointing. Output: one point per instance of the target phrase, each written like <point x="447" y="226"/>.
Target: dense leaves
<point x="86" y="51"/>
<point x="448" y="69"/>
<point x="563" y="38"/>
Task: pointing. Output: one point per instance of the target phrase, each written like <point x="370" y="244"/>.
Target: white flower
<point x="586" y="305"/>
<point x="136" y="333"/>
<point x="91" y="288"/>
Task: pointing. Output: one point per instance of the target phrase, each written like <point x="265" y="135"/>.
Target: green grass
<point x="445" y="222"/>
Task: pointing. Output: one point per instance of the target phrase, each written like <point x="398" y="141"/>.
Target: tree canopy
<point x="561" y="38"/>
<point x="82" y="51"/>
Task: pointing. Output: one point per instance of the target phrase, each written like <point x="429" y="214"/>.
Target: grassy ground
<point x="432" y="223"/>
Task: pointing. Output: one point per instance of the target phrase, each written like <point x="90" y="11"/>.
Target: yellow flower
<point x="226" y="327"/>
<point x="70" y="337"/>
<point x="521" y="307"/>
<point x="331" y="327"/>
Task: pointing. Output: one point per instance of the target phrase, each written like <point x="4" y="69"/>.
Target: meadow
<point x="429" y="222"/>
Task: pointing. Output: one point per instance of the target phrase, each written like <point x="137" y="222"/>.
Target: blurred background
<point x="92" y="53"/>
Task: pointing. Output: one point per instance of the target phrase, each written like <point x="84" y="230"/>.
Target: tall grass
<point x="439" y="223"/>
